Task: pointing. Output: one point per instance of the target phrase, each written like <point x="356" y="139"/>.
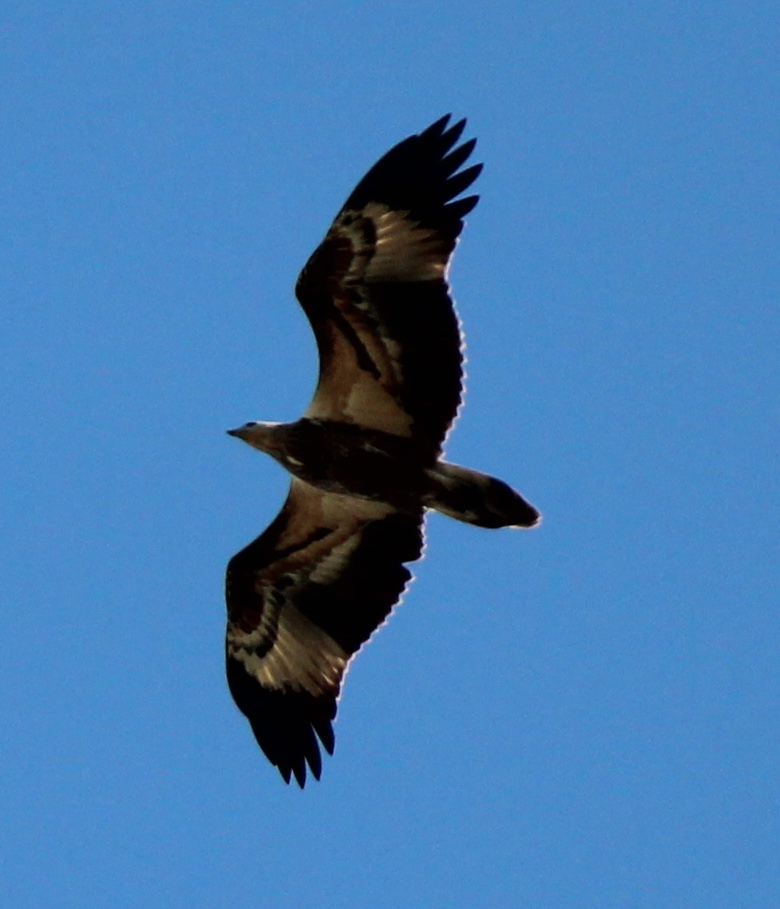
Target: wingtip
<point x="456" y="131"/>
<point x="438" y="126"/>
<point x="300" y="776"/>
<point x="326" y="736"/>
<point x="443" y="129"/>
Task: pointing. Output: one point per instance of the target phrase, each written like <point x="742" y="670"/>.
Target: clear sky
<point x="585" y="715"/>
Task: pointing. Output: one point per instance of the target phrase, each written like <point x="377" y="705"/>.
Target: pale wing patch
<point x="309" y="508"/>
<point x="359" y="399"/>
<point x="386" y="246"/>
<point x="329" y="569"/>
<point x="286" y="649"/>
<point x="303" y="656"/>
<point x="403" y="250"/>
<point x="347" y="391"/>
<point x="365" y="407"/>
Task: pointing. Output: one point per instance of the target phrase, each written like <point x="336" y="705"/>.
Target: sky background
<point x="584" y="715"/>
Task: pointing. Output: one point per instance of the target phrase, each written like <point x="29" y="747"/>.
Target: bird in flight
<point x="366" y="457"/>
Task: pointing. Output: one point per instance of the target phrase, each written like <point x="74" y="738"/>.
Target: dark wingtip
<point x="299" y="769"/>
<point x="437" y="127"/>
<point x="457" y="183"/>
<point x="454" y="132"/>
<point x="420" y="175"/>
<point x="324" y="729"/>
<point x="462" y="207"/>
<point x="284" y="723"/>
<point x="456" y="158"/>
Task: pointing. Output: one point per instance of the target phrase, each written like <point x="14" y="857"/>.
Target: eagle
<point x="366" y="457"/>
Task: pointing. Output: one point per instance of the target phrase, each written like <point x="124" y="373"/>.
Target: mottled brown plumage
<point x="366" y="456"/>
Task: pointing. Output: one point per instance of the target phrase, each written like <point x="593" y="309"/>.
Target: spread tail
<point x="477" y="498"/>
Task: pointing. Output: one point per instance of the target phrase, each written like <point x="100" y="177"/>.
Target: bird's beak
<point x="239" y="433"/>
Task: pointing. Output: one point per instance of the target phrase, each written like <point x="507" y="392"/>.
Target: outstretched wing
<point x="302" y="599"/>
<point x="376" y="293"/>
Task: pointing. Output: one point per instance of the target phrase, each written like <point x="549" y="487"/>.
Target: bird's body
<point x="366" y="458"/>
<point x="378" y="466"/>
<point x="347" y="459"/>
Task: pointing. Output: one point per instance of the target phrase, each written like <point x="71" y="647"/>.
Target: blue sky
<point x="584" y="715"/>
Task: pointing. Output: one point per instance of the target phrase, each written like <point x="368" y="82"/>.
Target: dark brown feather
<point x="302" y="599"/>
<point x="377" y="296"/>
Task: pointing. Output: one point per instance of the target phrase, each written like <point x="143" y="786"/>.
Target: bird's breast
<point x="352" y="460"/>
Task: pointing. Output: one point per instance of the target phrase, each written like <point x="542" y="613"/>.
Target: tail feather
<point x="476" y="498"/>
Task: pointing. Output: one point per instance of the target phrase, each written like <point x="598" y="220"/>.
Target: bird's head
<point x="261" y="436"/>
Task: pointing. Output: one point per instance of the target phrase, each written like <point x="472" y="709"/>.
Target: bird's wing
<point x="302" y="599"/>
<point x="376" y="292"/>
